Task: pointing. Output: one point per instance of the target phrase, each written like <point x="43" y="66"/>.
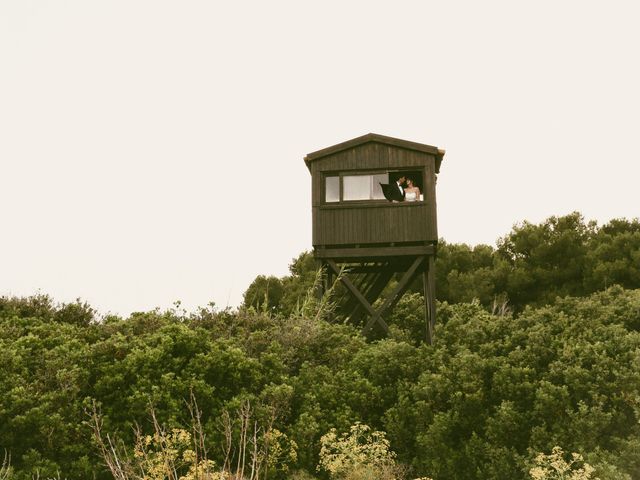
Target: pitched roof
<point x="374" y="137"/>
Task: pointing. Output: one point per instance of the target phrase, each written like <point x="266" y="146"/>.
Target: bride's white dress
<point x="410" y="197"/>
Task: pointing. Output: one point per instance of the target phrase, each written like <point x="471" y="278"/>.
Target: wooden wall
<point x="406" y="222"/>
<point x="374" y="222"/>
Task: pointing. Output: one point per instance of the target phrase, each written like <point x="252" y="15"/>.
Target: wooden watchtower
<point x="356" y="227"/>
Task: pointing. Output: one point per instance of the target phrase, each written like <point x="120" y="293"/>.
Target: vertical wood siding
<point x="380" y="222"/>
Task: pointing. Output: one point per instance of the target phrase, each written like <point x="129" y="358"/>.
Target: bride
<point x="412" y="193"/>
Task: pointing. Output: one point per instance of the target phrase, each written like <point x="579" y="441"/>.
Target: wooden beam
<point x="372" y="280"/>
<point x="362" y="282"/>
<point x="369" y="252"/>
<point x="328" y="278"/>
<point x="366" y="269"/>
<point x="430" y="299"/>
<point x="402" y="286"/>
<point x="351" y="287"/>
<point x="395" y="295"/>
<point x="395" y="265"/>
<point x="367" y="280"/>
<point x="372" y="293"/>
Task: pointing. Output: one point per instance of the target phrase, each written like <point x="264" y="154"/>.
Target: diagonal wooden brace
<point x="402" y="286"/>
<point x="372" y="292"/>
<point x="376" y="315"/>
<point x="356" y="293"/>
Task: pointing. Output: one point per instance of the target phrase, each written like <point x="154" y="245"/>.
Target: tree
<point x="282" y="295"/>
<point x="539" y="262"/>
<point x="614" y="256"/>
<point x="265" y="293"/>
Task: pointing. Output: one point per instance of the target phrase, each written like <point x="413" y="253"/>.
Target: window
<point x="332" y="189"/>
<point x="357" y="187"/>
<point x="363" y="187"/>
<point x="352" y="187"/>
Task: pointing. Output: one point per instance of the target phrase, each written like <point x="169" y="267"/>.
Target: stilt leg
<point x="428" y="278"/>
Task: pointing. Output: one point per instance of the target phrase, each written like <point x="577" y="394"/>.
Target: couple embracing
<point x="403" y="190"/>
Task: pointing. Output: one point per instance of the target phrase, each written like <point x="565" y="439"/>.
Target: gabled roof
<point x="374" y="137"/>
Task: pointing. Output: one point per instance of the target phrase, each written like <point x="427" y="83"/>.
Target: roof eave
<point x="374" y="137"/>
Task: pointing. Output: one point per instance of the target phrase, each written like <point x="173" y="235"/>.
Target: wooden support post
<point x="428" y="279"/>
<point x="327" y="278"/>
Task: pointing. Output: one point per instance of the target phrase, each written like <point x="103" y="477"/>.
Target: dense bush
<point x="530" y="266"/>
<point x="557" y="366"/>
<point x="534" y="264"/>
<point x="492" y="393"/>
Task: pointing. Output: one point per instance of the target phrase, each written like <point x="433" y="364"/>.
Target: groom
<point x="396" y="192"/>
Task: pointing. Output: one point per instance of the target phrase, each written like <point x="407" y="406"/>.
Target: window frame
<point x="348" y="173"/>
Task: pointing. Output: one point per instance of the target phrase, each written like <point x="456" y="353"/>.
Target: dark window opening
<point x="417" y="178"/>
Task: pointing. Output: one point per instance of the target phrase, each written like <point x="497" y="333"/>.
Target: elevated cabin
<point x="366" y="240"/>
<point x="348" y="205"/>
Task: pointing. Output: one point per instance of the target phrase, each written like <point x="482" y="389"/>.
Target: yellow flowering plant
<point x="559" y="466"/>
<point x="360" y="454"/>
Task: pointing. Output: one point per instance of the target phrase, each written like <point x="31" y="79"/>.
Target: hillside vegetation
<point x="530" y="266"/>
<point x="537" y="353"/>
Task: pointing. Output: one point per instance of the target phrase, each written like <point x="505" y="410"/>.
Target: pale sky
<point x="152" y="151"/>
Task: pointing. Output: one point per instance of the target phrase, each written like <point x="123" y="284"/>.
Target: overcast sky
<point x="152" y="151"/>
